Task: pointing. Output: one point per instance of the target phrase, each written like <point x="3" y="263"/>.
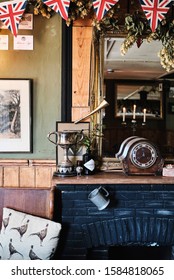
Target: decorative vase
<point x="88" y="163"/>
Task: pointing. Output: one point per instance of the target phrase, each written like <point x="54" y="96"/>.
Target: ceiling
<point x="140" y="63"/>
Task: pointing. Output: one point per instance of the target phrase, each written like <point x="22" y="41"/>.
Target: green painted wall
<point x="43" y="65"/>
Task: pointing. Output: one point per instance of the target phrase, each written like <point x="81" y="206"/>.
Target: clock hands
<point x="142" y="155"/>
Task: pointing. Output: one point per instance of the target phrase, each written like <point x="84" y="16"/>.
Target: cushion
<point x="27" y="237"/>
<point x="1" y="249"/>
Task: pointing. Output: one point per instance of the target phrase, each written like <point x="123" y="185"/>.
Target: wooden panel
<point x="11" y="176"/>
<point x="43" y="177"/>
<point x="78" y="112"/>
<point x="81" y="66"/>
<point x="27" y="177"/>
<point x="39" y="202"/>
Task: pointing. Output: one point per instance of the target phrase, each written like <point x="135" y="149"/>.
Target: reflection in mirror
<point x="139" y="63"/>
<point x="135" y="89"/>
<point x="141" y="101"/>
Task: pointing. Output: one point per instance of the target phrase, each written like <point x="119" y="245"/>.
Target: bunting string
<point x="155" y="11"/>
<point x="101" y="7"/>
<point x="11" y="11"/>
<point x="59" y="6"/>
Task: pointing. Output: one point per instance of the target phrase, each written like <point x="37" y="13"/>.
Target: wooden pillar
<point x="81" y="52"/>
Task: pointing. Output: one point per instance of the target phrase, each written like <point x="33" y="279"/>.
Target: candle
<point x="134" y="111"/>
<point x="144" y="115"/>
<point x="124" y="114"/>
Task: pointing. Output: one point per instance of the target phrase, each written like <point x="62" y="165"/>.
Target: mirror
<point x="134" y="88"/>
<point x="138" y="63"/>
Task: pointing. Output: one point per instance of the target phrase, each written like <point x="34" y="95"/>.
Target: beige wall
<point x="43" y="65"/>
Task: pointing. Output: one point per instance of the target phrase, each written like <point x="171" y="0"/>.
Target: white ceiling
<point x="138" y="63"/>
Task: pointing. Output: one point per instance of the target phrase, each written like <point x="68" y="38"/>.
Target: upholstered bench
<point x="28" y="230"/>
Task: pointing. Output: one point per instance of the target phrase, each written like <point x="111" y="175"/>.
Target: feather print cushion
<point x="1" y="249"/>
<point x="27" y="237"/>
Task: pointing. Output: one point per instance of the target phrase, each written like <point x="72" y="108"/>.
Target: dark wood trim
<point x="66" y="89"/>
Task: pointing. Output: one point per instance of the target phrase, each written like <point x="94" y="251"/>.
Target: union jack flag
<point x="59" y="6"/>
<point x="101" y="7"/>
<point x="11" y="13"/>
<point x="155" y="10"/>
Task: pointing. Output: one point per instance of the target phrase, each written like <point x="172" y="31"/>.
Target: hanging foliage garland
<point x="165" y="34"/>
<point x="136" y="28"/>
<point x="79" y="9"/>
<point x="139" y="30"/>
<point x="39" y="8"/>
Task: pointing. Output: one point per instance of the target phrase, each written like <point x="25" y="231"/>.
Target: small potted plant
<point x="90" y="158"/>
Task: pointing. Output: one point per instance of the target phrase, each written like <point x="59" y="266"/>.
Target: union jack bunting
<point x="101" y="7"/>
<point x="11" y="13"/>
<point x="155" y="10"/>
<point x="59" y="6"/>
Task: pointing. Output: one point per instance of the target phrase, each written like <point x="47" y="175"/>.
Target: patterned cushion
<point x="1" y="249"/>
<point x="27" y="237"/>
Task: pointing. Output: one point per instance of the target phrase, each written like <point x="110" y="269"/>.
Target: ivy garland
<point x="135" y="27"/>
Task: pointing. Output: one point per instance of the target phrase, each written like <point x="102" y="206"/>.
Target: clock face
<point x="143" y="155"/>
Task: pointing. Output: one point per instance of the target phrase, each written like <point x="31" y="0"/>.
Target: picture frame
<point x="61" y="126"/>
<point x="23" y="42"/>
<point x="15" y="115"/>
<point x="27" y="22"/>
<point x="4" y="42"/>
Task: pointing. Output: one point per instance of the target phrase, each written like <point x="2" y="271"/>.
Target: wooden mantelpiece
<point x="113" y="178"/>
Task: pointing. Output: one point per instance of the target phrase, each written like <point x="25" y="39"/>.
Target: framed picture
<point x="26" y="22"/>
<point x="76" y="152"/>
<point x="23" y="42"/>
<point x="15" y="115"/>
<point x="171" y="108"/>
<point x="4" y="42"/>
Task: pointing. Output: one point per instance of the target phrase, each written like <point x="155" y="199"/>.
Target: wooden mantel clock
<point x="140" y="157"/>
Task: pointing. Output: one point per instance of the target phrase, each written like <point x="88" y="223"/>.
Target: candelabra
<point x="133" y="124"/>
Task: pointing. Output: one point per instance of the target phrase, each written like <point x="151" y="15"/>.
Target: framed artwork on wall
<point x="26" y="22"/>
<point x="77" y="151"/>
<point x="15" y="115"/>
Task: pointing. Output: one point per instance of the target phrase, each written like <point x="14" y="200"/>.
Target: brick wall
<point x="26" y="173"/>
<point x="137" y="213"/>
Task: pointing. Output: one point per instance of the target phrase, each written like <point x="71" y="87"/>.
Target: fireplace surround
<point x="140" y="215"/>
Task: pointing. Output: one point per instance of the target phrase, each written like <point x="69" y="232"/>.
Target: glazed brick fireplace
<point x="139" y="215"/>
